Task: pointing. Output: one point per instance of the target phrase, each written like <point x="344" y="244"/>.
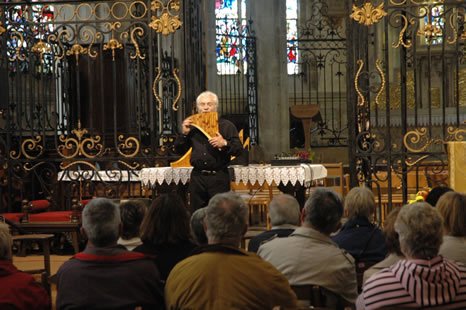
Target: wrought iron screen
<point x="91" y="93"/>
<point x="405" y="101"/>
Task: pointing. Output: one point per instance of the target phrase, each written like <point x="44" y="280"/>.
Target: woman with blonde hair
<point x="358" y="236"/>
<point x="452" y="208"/>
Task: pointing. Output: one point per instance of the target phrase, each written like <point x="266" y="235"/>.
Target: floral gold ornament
<point x="113" y="43"/>
<point x="368" y="14"/>
<point x="165" y="22"/>
<point x="41" y="48"/>
<point x="30" y="148"/>
<point x="80" y="146"/>
<point x="18" y="37"/>
<point x="76" y="50"/>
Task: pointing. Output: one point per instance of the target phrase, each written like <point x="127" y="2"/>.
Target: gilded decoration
<point x="408" y="42"/>
<point x="140" y="32"/>
<point x="17" y="36"/>
<point x="382" y="77"/>
<point x="361" y="100"/>
<point x="175" y="106"/>
<point x="76" y="50"/>
<point x="368" y="14"/>
<point x="165" y="22"/>
<point x="154" y="89"/>
<point x="129" y="143"/>
<point x="2" y="30"/>
<point x="417" y="141"/>
<point x="114" y="44"/>
<point x="30" y="148"/>
<point x="80" y="146"/>
<point x="41" y="48"/>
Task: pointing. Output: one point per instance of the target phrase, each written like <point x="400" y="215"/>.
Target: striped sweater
<point x="435" y="284"/>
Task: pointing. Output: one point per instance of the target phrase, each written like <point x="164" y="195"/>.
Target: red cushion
<point x="52" y="216"/>
<point x="84" y="202"/>
<point x="14" y="217"/>
<point x="40" y="205"/>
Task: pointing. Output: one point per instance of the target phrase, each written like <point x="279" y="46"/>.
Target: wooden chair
<point x="44" y="240"/>
<point x="335" y="179"/>
<point x="312" y="296"/>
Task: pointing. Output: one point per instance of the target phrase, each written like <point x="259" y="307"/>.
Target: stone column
<point x="269" y="24"/>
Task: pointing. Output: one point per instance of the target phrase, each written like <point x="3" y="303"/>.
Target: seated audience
<point x="284" y="218"/>
<point x="131" y="213"/>
<point x="393" y="246"/>
<point x="106" y="275"/>
<point x="309" y="256"/>
<point x="18" y="290"/>
<point x="220" y="275"/>
<point x="423" y="279"/>
<point x="435" y="193"/>
<point x="358" y="236"/>
<point x="197" y="226"/>
<point x="452" y="207"/>
<point x="166" y="233"/>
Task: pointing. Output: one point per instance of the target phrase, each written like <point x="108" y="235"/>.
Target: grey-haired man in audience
<point x="284" y="219"/>
<point x="220" y="275"/>
<point x="106" y="275"/>
<point x="309" y="256"/>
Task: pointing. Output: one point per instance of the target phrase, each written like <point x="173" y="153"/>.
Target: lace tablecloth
<point x="302" y="174"/>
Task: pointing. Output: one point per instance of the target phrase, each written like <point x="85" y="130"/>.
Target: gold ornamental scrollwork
<point x="136" y="165"/>
<point x="175" y="106"/>
<point x="2" y="30"/>
<point x="79" y="145"/>
<point x="361" y="100"/>
<point x="140" y="32"/>
<point x="30" y="148"/>
<point x="456" y="134"/>
<point x="419" y="137"/>
<point x="408" y="43"/>
<point x="455" y="32"/>
<point x="64" y="166"/>
<point x="128" y="144"/>
<point x="18" y="37"/>
<point x="167" y="22"/>
<point x="154" y="89"/>
<point x="368" y="14"/>
<point x="382" y="76"/>
<point x="29" y="166"/>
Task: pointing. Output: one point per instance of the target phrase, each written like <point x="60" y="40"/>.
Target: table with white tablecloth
<point x="290" y="179"/>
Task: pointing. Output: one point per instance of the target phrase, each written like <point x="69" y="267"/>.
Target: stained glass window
<point x="27" y="25"/>
<point x="231" y="32"/>
<point x="292" y="36"/>
<point x="437" y="22"/>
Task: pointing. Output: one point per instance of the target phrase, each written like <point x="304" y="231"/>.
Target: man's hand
<point x="218" y="141"/>
<point x="186" y="126"/>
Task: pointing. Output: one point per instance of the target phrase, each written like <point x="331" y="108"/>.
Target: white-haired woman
<point x="423" y="279"/>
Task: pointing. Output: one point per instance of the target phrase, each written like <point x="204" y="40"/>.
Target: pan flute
<point x="207" y="123"/>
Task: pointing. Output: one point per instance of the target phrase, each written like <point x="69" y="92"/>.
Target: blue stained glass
<point x="437" y="21"/>
<point x="292" y="35"/>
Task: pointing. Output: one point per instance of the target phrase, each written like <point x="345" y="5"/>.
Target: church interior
<point x="93" y="95"/>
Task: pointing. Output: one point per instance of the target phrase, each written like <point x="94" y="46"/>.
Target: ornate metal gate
<point x="91" y="92"/>
<point x="406" y="68"/>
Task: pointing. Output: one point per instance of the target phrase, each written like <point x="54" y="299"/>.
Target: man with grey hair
<point x="210" y="157"/>
<point x="220" y="275"/>
<point x="106" y="275"/>
<point x="197" y="226"/>
<point x="284" y="218"/>
<point x="309" y="256"/>
<point x="423" y="279"/>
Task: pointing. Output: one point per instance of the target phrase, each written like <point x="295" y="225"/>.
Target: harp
<point x="207" y="123"/>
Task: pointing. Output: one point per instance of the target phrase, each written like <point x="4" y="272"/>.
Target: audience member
<point x="309" y="256"/>
<point x="434" y="195"/>
<point x="284" y="217"/>
<point x="197" y="226"/>
<point x="220" y="275"/>
<point x="359" y="236"/>
<point x="18" y="290"/>
<point x="131" y="213"/>
<point x="166" y="233"/>
<point x="423" y="278"/>
<point x="393" y="246"/>
<point x="106" y="275"/>
<point x="452" y="207"/>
